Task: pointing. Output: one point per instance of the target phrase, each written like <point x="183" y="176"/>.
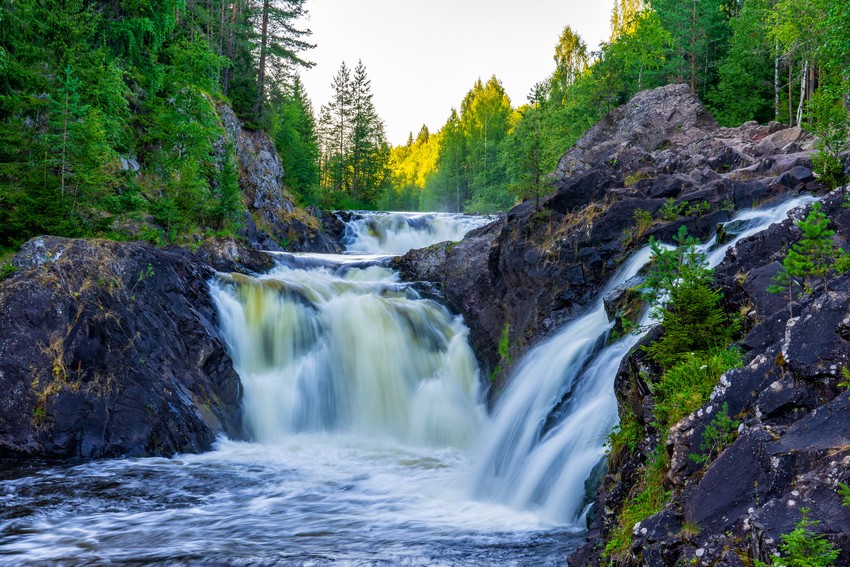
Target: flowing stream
<point x="370" y="441"/>
<point x="550" y="425"/>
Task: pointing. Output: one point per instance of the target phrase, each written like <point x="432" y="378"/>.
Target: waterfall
<point x="396" y="233"/>
<point x="550" y="424"/>
<point x="335" y="343"/>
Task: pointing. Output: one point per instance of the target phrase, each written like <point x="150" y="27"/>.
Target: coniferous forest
<point x="108" y="116"/>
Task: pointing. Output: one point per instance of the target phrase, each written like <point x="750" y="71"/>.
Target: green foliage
<point x="718" y="434"/>
<point x="646" y="498"/>
<point x="745" y="77"/>
<point x="87" y="89"/>
<point x="685" y="387"/>
<point x="804" y="547"/>
<point x="7" y="270"/>
<point x="678" y="287"/>
<point x="672" y="210"/>
<point x="829" y="120"/>
<point x="814" y="256"/>
<point x="644" y="221"/>
<point x="505" y="343"/>
<point x="626" y="435"/>
<point x="844" y="491"/>
<point x="700" y="32"/>
<point x="296" y="140"/>
<point x="355" y="152"/>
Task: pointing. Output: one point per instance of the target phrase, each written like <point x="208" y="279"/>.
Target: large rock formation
<point x="655" y="164"/>
<point x="274" y="222"/>
<point x="110" y="349"/>
<point x="793" y="444"/>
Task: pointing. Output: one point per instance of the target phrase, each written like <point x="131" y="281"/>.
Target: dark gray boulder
<point x="110" y="349"/>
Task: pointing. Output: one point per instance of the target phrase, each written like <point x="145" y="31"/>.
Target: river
<point x="370" y="442"/>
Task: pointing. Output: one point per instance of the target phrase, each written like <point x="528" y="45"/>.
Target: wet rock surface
<point x="793" y="444"/>
<point x="658" y="163"/>
<point x="111" y="349"/>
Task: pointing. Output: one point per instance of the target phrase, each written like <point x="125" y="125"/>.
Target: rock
<point x="465" y="277"/>
<point x="649" y="120"/>
<point x="794" y="421"/>
<point x="228" y="255"/>
<point x="545" y="263"/>
<point x="111" y="349"/>
<point x="813" y="346"/>
<point x="276" y="223"/>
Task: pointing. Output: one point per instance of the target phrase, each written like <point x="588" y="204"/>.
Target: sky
<point x="423" y="56"/>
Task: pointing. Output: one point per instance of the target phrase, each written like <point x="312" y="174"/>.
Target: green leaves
<point x="678" y="288"/>
<point x="718" y="434"/>
<point x="814" y="257"/>
<point x="804" y="547"/>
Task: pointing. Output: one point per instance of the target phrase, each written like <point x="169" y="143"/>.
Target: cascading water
<point x="361" y="399"/>
<point x="396" y="233"/>
<point x="353" y="352"/>
<point x="550" y="425"/>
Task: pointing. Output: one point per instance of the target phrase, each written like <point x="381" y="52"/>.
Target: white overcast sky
<point x="424" y="55"/>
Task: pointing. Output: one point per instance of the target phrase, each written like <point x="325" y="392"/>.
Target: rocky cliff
<point x="651" y="166"/>
<point x="274" y="222"/>
<point x="792" y="445"/>
<point x="111" y="349"/>
<point x="656" y="164"/>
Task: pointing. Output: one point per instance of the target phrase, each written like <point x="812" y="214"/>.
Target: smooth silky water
<point x="362" y="401"/>
<point x="370" y="442"/>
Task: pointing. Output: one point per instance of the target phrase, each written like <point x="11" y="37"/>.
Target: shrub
<point x="803" y="547"/>
<point x="685" y="387"/>
<point x="678" y="287"/>
<point x="718" y="435"/>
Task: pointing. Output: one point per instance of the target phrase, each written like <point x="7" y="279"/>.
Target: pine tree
<point x="296" y="139"/>
<point x="367" y="135"/>
<point x="816" y="253"/>
<point x="279" y="41"/>
<point x="700" y="32"/>
<point x="524" y="148"/>
<point x="335" y="129"/>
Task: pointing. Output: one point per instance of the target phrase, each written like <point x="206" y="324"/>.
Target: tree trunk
<point x="804" y="74"/>
<point x="790" y="94"/>
<point x="64" y="142"/>
<point x="694" y="50"/>
<point x="776" y="87"/>
<point x="261" y="71"/>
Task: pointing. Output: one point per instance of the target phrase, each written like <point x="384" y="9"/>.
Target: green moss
<point x="505" y="343"/>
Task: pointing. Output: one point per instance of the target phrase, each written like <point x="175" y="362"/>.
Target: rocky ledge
<point x="792" y="445"/>
<point x="274" y="221"/>
<point x="651" y="166"/>
<point x="111" y="349"/>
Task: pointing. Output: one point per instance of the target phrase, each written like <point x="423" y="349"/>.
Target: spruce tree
<point x="367" y="135"/>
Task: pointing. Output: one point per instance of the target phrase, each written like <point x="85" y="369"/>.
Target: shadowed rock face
<point x="111" y="349"/>
<point x="661" y="157"/>
<point x="274" y="222"/>
<point x="794" y="443"/>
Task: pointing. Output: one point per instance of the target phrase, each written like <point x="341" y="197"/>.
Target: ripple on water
<point x="310" y="500"/>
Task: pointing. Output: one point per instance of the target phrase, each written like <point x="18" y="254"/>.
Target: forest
<point x="747" y="60"/>
<point x="108" y="112"/>
<point x="109" y="124"/>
